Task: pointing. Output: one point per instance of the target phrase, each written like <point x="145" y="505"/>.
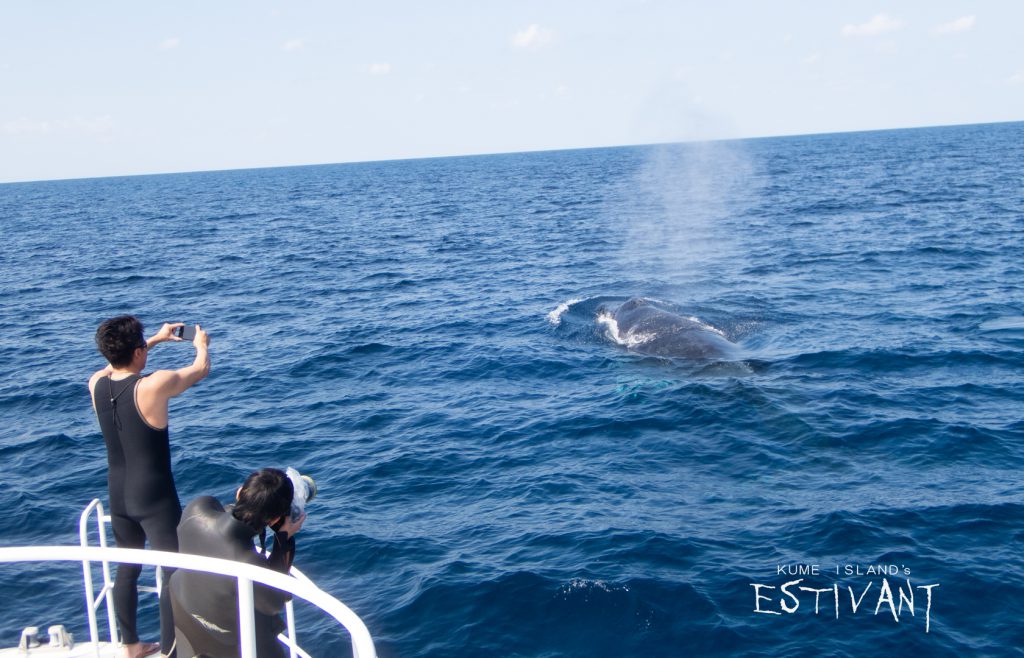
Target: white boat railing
<point x="92" y="600"/>
<point x="296" y="584"/>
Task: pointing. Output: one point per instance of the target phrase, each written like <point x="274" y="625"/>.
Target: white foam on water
<point x="555" y="316"/>
<point x="1008" y="323"/>
<point x="582" y="586"/>
<point x="585" y="584"/>
<point x="610" y="325"/>
<point x="706" y="326"/>
<point x="629" y="339"/>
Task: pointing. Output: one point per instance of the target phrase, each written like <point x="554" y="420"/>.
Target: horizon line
<point x="495" y="153"/>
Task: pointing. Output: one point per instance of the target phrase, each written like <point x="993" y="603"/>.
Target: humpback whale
<point x="643" y="326"/>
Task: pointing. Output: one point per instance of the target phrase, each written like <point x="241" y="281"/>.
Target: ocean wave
<point x="555" y="316"/>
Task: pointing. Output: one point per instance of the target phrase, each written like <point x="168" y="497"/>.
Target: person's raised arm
<point x="165" y="334"/>
<point x="172" y="383"/>
<point x="268" y="600"/>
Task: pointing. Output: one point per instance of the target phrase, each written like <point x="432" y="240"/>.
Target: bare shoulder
<point x="96" y="376"/>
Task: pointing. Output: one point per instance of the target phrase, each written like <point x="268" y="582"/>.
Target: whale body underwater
<point x="644" y="326"/>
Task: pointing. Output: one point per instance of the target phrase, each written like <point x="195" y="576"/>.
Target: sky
<point x="119" y="88"/>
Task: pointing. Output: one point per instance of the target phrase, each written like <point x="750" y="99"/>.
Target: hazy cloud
<point x="27" y="127"/>
<point x="292" y="45"/>
<point x="170" y="43"/>
<point x="879" y="24"/>
<point x="1016" y="79"/>
<point x="379" y="68"/>
<point x="532" y="36"/>
<point x="961" y="24"/>
<point x="82" y="125"/>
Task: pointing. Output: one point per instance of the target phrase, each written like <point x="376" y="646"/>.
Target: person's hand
<point x="202" y="339"/>
<point x="291" y="528"/>
<point x="167" y="333"/>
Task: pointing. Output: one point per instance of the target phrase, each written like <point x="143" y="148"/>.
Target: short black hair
<point x="118" y="338"/>
<point x="265" y="495"/>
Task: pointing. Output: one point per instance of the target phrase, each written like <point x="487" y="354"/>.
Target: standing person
<point x="132" y="412"/>
<point x="206" y="605"/>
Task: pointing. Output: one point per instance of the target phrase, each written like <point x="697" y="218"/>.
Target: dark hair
<point x="265" y="495"/>
<point x="118" y="338"/>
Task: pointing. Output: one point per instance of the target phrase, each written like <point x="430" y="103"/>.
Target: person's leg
<point x="127" y="534"/>
<point x="193" y="639"/>
<point x="267" y="628"/>
<point x="162" y="531"/>
<point x="182" y="644"/>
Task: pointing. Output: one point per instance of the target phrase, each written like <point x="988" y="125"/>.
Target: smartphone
<point x="186" y="332"/>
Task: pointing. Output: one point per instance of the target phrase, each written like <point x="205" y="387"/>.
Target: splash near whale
<point x="650" y="327"/>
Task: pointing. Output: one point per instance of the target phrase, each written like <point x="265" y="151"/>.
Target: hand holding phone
<point x="186" y="332"/>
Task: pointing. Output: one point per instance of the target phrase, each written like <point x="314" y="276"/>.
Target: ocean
<point x="502" y="473"/>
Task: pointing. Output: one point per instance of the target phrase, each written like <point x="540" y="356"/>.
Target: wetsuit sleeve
<point x="268" y="600"/>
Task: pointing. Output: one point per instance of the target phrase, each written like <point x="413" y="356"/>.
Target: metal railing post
<point x="246" y="618"/>
<point x="108" y="586"/>
<point x="289" y="615"/>
<point x="90" y="602"/>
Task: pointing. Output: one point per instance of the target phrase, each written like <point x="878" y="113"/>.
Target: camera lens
<point x="310" y="487"/>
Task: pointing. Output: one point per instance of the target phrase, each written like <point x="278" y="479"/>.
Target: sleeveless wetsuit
<point x="143" y="500"/>
<point x="206" y="605"/>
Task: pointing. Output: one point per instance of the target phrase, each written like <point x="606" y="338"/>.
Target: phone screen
<point x="186" y="333"/>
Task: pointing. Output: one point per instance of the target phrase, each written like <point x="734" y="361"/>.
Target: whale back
<point x="650" y="329"/>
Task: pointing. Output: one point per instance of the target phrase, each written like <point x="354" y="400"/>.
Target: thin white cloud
<point x="879" y="24"/>
<point x="81" y="125"/>
<point x="1016" y="79"/>
<point x="170" y="43"/>
<point x="25" y="126"/>
<point x="379" y="68"/>
<point x="291" y="45"/>
<point x="532" y="36"/>
<point x="962" y="24"/>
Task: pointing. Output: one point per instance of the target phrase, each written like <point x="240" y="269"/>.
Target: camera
<point x="305" y="491"/>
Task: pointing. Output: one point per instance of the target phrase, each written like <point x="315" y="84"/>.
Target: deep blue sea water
<point x="498" y="476"/>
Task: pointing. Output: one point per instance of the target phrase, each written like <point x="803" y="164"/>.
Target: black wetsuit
<point x="206" y="605"/>
<point x="143" y="500"/>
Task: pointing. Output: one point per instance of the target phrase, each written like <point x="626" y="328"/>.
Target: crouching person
<point x="206" y="605"/>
